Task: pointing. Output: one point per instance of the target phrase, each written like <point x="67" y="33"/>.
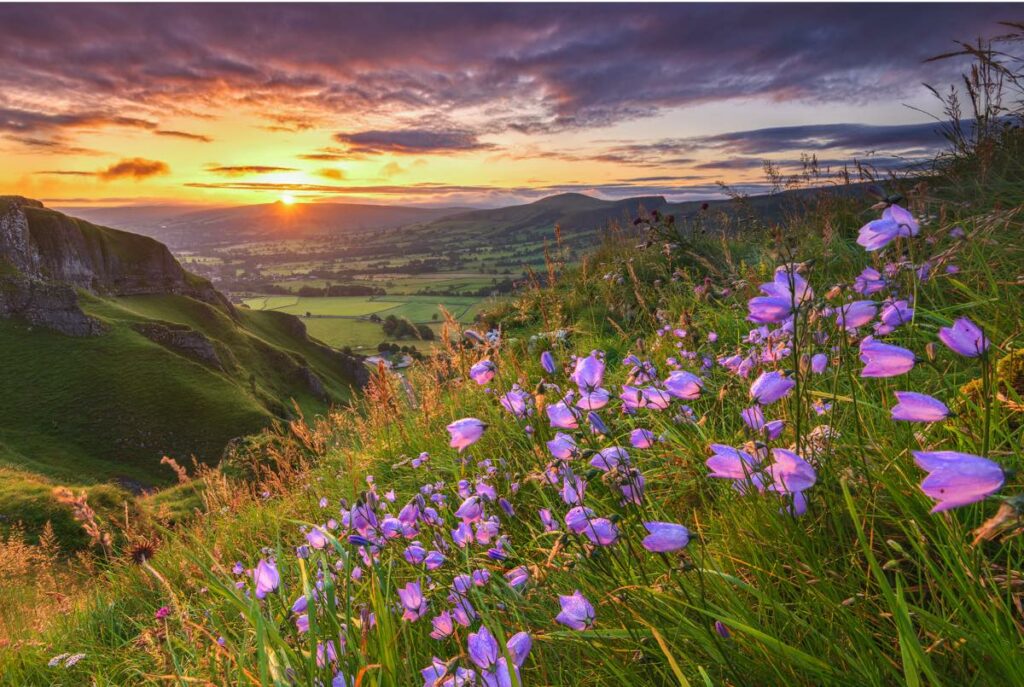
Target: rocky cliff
<point x="46" y="257"/>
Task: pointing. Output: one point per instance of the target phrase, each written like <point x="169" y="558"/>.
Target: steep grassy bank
<point x="827" y="569"/>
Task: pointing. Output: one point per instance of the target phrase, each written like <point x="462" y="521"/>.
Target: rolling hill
<point x="114" y="356"/>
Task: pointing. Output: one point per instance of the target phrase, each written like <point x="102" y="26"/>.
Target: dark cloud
<point x="184" y="134"/>
<point x="411" y="141"/>
<point x="531" y="68"/>
<point x="66" y="173"/>
<point x="244" y="170"/>
<point x="136" y="168"/>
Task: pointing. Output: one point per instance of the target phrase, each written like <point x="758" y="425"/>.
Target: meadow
<point x="789" y="457"/>
<point x="342" y="321"/>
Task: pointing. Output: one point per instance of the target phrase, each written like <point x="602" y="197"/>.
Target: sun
<point x="287" y="199"/>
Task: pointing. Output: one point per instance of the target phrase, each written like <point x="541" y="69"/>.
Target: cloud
<point x="184" y="134"/>
<point x="412" y="141"/>
<point x="391" y="169"/>
<point x="244" y="170"/>
<point x="332" y="173"/>
<point x="66" y="173"/>
<point x="136" y="168"/>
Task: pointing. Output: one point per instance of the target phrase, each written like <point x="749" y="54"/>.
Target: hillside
<point x="122" y="357"/>
<point x="748" y="503"/>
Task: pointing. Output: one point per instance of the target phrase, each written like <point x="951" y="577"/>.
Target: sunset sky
<point x="458" y="105"/>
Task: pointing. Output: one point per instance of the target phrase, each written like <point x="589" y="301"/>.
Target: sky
<point x="484" y="105"/>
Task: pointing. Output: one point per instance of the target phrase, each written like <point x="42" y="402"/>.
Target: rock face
<point x="46" y="257"/>
<point x="183" y="340"/>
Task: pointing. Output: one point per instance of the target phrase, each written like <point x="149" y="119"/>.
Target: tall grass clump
<point x="783" y="458"/>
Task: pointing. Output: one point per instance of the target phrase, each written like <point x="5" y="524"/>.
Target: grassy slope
<point x="867" y="588"/>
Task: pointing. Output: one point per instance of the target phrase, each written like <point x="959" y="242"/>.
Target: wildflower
<point x="958" y="479"/>
<point x="894" y="314"/>
<point x="162" y="613"/>
<point x="722" y="630"/>
<point x="316" y="538"/>
<point x="790" y="473"/>
<point x="597" y="425"/>
<point x="577" y="612"/>
<point x="266" y="578"/>
<point x="443" y="625"/>
<point x="482" y="372"/>
<point x="465" y="432"/>
<point x="770" y="387"/>
<point x="965" y="338"/>
<point x="684" y="385"/>
<point x="483" y="648"/>
<point x="856" y="314"/>
<point x="593" y="399"/>
<point x="819" y="361"/>
<point x="518" y="646"/>
<point x="339" y="680"/>
<point x="641" y="438"/>
<point x="413" y="603"/>
<point x="563" y="416"/>
<point x="517" y="577"/>
<point x="915" y="407"/>
<point x="895" y="222"/>
<point x="654" y="397"/>
<point x="610" y="458"/>
<point x="665" y="537"/>
<point x="727" y="462"/>
<point x="547" y="361"/>
<point x="884" y="360"/>
<point x="589" y="372"/>
<point x="562" y="446"/>
<point x="601" y="531"/>
<point x="753" y="418"/>
<point x="516" y="402"/>
<point x="869" y="281"/>
<point x="547" y="520"/>
<point x="788" y="288"/>
<point x="471" y="509"/>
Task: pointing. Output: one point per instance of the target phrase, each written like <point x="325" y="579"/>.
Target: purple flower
<point x="895" y="221"/>
<point x="577" y="518"/>
<point x="593" y="399"/>
<point x="563" y="416"/>
<point x="894" y="314"/>
<point x="788" y="288"/>
<point x="443" y="626"/>
<point x="958" y="479"/>
<point x="665" y="537"/>
<point x="483" y="648"/>
<point x="597" y="425"/>
<point x="601" y="531"/>
<point x="819" y="361"/>
<point x="790" y="473"/>
<point x="684" y="385"/>
<point x="642" y="438"/>
<point x="562" y="446"/>
<point x="915" y="407"/>
<point x="470" y="510"/>
<point x="721" y="629"/>
<point x="965" y="338"/>
<point x="884" y="360"/>
<point x="610" y="458"/>
<point x="465" y="432"/>
<point x="547" y="361"/>
<point x="516" y="402"/>
<point x="753" y="418"/>
<point x="654" y="397"/>
<point x="413" y="603"/>
<point x="589" y="372"/>
<point x="727" y="462"/>
<point x="266" y="578"/>
<point x="316" y="538"/>
<point x="869" y="281"/>
<point x="770" y="387"/>
<point x="518" y="576"/>
<point x="482" y="372"/>
<point x="577" y="613"/>
<point x="518" y="646"/>
<point x="856" y="314"/>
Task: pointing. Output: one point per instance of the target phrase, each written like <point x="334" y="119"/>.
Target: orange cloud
<point x="136" y="168"/>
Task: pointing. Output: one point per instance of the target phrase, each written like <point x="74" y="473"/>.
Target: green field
<point x="341" y="321"/>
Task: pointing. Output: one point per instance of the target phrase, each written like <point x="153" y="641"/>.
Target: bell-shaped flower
<point x="958" y="479"/>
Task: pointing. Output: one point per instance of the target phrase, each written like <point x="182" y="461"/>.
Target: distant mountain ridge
<point x="183" y="228"/>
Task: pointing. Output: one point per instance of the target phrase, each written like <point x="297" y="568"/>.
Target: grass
<point x="867" y="588"/>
